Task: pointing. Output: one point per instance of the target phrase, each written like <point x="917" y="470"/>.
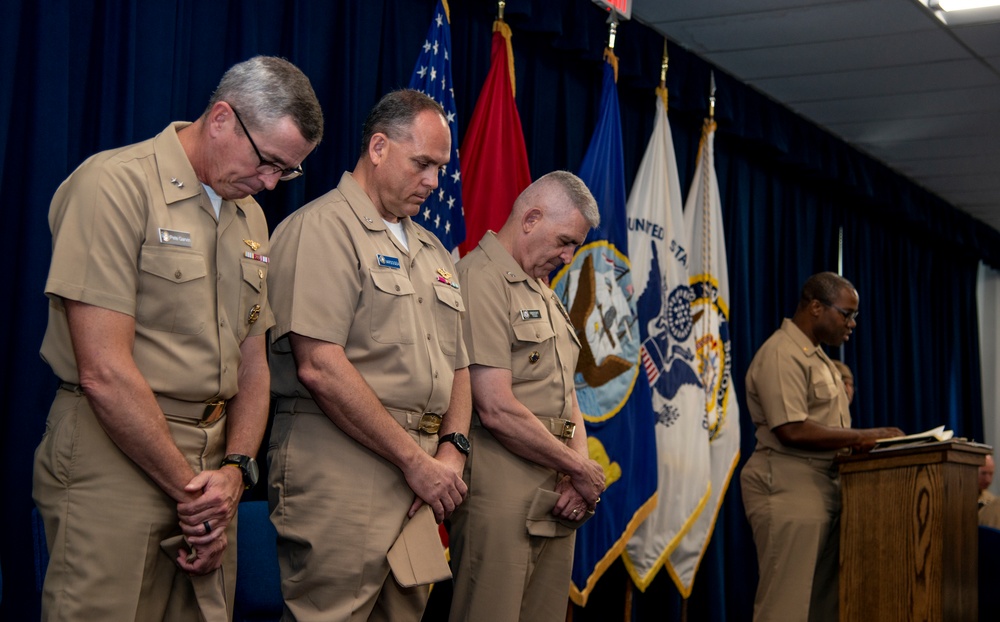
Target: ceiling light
<point x="964" y="5"/>
<point x="960" y="12"/>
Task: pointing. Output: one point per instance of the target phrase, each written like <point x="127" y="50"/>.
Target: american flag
<point x="442" y="213"/>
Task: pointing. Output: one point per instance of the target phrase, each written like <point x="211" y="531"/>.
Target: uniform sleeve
<point x="486" y="324"/>
<point x="97" y="226"/>
<point x="314" y="283"/>
<point x="782" y="385"/>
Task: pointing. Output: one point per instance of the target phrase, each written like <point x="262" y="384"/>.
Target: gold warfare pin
<point x="253" y="245"/>
<point x="254" y="314"/>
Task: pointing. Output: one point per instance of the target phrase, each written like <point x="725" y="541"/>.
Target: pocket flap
<point x="173" y="265"/>
<point x="392" y="282"/>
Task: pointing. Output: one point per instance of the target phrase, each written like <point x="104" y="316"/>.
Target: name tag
<point x="388" y="262"/>
<point x="174" y="238"/>
<point x="531" y="314"/>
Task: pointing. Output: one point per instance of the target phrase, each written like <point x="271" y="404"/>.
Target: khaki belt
<point x="428" y="423"/>
<point x="205" y="413"/>
<point x="560" y="428"/>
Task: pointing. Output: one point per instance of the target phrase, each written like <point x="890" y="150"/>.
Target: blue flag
<point x="612" y="389"/>
<point x="442" y="212"/>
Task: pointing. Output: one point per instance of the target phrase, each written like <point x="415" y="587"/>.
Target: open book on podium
<point x="934" y="435"/>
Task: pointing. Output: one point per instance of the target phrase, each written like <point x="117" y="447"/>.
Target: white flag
<point x="710" y="312"/>
<point x="658" y="248"/>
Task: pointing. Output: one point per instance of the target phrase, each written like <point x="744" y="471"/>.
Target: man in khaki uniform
<point x="370" y="374"/>
<point x="791" y="490"/>
<point x="531" y="482"/>
<point x="157" y="318"/>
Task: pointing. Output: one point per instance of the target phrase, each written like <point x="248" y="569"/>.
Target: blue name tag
<point x="388" y="262"/>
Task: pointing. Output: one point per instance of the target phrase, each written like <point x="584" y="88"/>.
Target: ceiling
<point x="884" y="75"/>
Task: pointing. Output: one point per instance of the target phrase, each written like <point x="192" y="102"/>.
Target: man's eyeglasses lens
<point x="267" y="167"/>
<point x="848" y="315"/>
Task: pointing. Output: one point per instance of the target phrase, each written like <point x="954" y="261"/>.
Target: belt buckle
<point x="213" y="412"/>
<point x="569" y="429"/>
<point x="429" y="423"/>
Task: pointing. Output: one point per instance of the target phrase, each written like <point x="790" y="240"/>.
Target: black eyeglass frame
<point x="850" y="316"/>
<point x="267" y="167"/>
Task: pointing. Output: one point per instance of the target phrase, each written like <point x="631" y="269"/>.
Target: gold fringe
<point x="504" y="30"/>
<point x="662" y="92"/>
<point x="447" y="11"/>
<point x="609" y="55"/>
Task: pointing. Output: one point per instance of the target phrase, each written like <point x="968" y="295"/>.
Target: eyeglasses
<point x="848" y="315"/>
<point x="266" y="167"/>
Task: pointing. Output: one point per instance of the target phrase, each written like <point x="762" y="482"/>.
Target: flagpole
<point x="500" y="7"/>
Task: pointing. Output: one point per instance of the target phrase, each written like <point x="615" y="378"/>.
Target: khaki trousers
<point x="337" y="508"/>
<point x="105" y="521"/>
<point x="793" y="505"/>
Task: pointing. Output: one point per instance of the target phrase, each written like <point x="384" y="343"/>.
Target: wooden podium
<point x="908" y="533"/>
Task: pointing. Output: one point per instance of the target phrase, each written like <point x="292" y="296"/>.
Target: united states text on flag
<point x="658" y="248"/>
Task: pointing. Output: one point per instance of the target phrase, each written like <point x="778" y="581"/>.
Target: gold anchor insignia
<point x="253" y="245"/>
<point x="254" y="314"/>
<point x="444" y="273"/>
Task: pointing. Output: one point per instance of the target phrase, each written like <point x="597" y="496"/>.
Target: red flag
<point x="494" y="159"/>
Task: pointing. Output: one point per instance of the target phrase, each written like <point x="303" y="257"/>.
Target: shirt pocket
<point x="534" y="353"/>
<point x="252" y="301"/>
<point x="392" y="313"/>
<point x="448" y="317"/>
<point x="823" y="390"/>
<point x="172" y="293"/>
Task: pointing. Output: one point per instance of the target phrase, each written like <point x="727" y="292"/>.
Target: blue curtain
<point x="79" y="76"/>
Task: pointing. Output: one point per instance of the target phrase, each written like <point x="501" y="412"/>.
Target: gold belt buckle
<point x="213" y="412"/>
<point x="569" y="429"/>
<point x="429" y="423"/>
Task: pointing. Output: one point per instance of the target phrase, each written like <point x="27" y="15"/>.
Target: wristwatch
<point x="457" y="439"/>
<point x="247" y="465"/>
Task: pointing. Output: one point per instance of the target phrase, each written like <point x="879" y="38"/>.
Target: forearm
<point x="120" y="397"/>
<point x="246" y="412"/>
<point x="349" y="401"/>
<point x="813" y="436"/>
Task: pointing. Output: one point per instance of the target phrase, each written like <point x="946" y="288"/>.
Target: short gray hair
<point x="394" y="114"/>
<point x="266" y="89"/>
<point x="575" y="191"/>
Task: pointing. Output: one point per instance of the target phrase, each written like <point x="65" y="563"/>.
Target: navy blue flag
<point x="442" y="212"/>
<point x="612" y="389"/>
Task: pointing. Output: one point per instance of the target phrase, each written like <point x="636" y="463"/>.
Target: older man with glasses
<point x="791" y="489"/>
<point x="157" y="319"/>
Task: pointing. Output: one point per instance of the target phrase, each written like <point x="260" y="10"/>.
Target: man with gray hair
<point x="157" y="318"/>
<point x="531" y="481"/>
<point x="370" y="372"/>
<point x="791" y="488"/>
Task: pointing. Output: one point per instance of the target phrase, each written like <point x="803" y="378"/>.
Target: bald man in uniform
<point x="157" y="318"/>
<point x="370" y="372"/>
<point x="791" y="489"/>
<point x="528" y="437"/>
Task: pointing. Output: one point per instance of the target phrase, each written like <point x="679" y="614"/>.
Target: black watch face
<point x="462" y="443"/>
<point x="251" y="472"/>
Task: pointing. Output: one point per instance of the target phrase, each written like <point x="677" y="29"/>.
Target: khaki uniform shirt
<point x="515" y="322"/>
<point x="789" y="380"/>
<point x="339" y="275"/>
<point x="133" y="231"/>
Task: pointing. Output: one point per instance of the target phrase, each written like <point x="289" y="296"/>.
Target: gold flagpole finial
<point x="711" y="96"/>
<point x="500" y="7"/>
